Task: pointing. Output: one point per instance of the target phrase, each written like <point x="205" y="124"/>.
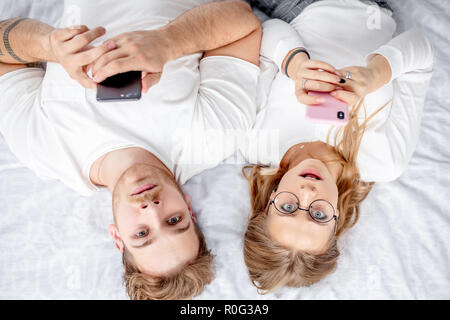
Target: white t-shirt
<point x="58" y="129"/>
<point x="343" y="33"/>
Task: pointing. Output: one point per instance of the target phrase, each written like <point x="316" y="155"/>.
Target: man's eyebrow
<point x="151" y="240"/>
<point x="182" y="230"/>
<point x="145" y="244"/>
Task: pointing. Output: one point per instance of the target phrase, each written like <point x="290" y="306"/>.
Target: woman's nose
<point x="307" y="191"/>
<point x="307" y="186"/>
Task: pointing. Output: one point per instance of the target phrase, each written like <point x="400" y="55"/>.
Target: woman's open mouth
<point x="311" y="174"/>
<point x="143" y="188"/>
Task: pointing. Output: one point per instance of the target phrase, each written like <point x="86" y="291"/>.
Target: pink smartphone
<point x="331" y="111"/>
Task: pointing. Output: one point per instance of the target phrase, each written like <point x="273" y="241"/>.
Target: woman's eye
<point x="318" y="215"/>
<point x="174" y="220"/>
<point x="141" y="234"/>
<point x="288" y="207"/>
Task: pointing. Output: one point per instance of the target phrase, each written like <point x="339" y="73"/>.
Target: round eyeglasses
<point x="321" y="211"/>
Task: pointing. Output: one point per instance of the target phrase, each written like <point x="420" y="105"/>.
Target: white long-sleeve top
<point x="343" y="33"/>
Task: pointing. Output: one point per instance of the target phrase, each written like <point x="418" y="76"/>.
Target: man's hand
<point x="71" y="48"/>
<point x="201" y="29"/>
<point x="145" y="51"/>
<point x="149" y="80"/>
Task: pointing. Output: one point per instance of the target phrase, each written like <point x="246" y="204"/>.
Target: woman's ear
<point x="273" y="194"/>
<point x="114" y="233"/>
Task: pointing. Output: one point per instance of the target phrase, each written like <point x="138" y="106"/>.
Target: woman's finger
<point x="82" y="40"/>
<point x="351" y="70"/>
<point x="317" y="64"/>
<point x="304" y="97"/>
<point x="321" y="76"/>
<point x="313" y="85"/>
<point x="348" y="97"/>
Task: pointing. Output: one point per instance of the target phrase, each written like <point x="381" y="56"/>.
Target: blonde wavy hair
<point x="272" y="265"/>
<point x="186" y="284"/>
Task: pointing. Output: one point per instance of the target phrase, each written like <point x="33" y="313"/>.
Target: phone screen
<point x="122" y="86"/>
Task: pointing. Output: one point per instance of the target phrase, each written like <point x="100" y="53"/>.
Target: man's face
<point x="153" y="221"/>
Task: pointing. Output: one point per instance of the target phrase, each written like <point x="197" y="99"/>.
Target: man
<point x="202" y="70"/>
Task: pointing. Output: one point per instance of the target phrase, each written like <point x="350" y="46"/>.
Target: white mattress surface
<point x="54" y="244"/>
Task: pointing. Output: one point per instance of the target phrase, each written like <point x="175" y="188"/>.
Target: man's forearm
<point x="24" y="41"/>
<point x="210" y="26"/>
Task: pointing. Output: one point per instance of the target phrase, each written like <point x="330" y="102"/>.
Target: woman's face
<point x="298" y="231"/>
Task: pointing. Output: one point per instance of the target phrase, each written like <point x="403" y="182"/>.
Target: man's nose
<point x="151" y="204"/>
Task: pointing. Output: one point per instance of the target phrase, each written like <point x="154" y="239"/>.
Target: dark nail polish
<point x="342" y="80"/>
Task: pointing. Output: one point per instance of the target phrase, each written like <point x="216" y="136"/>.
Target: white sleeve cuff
<point x="393" y="56"/>
<point x="278" y="39"/>
<point x="409" y="51"/>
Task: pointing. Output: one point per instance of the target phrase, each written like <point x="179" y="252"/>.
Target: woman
<point x="310" y="178"/>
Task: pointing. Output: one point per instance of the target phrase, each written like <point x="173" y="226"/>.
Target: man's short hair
<point x="185" y="284"/>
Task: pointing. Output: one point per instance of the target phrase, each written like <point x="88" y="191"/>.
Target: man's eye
<point x="174" y="220"/>
<point x="141" y="234"/>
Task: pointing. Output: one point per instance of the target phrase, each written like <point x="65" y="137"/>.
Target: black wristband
<point x="290" y="58"/>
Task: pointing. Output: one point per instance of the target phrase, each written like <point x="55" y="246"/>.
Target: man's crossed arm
<point x="228" y="25"/>
<point x="217" y="28"/>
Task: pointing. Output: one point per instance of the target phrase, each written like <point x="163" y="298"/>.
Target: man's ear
<point x="188" y="201"/>
<point x="114" y="233"/>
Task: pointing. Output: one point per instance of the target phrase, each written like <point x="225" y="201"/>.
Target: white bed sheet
<point x="54" y="243"/>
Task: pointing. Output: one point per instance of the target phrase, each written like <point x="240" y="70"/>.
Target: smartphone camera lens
<point x="340" y="115"/>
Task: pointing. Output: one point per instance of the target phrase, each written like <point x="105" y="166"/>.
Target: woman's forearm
<point x="24" y="41"/>
<point x="210" y="26"/>
<point x="381" y="69"/>
<point x="296" y="60"/>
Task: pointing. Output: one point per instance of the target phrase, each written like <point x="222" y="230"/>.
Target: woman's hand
<point x="312" y="75"/>
<point x="71" y="48"/>
<point x="364" y="80"/>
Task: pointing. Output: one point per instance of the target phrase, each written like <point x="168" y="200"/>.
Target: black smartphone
<point x="122" y="86"/>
